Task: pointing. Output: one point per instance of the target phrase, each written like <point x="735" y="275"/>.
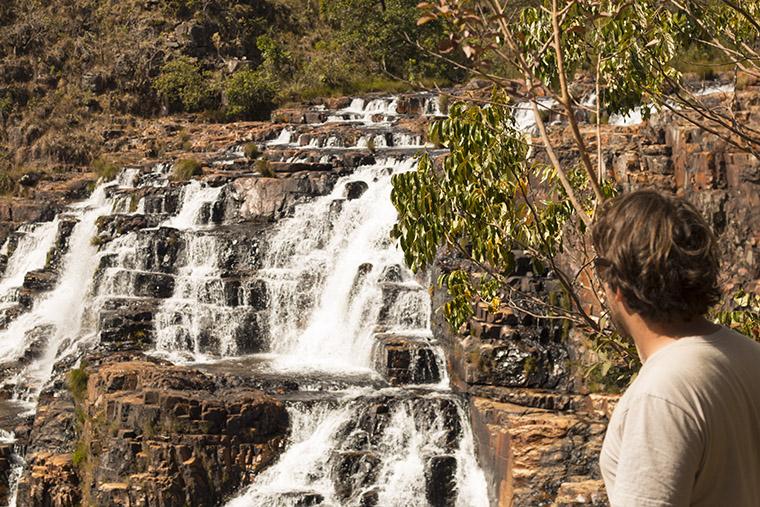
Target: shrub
<point x="183" y="86"/>
<point x="6" y="104"/>
<point x="77" y="382"/>
<point x="263" y="168"/>
<point x="105" y="169"/>
<point x="251" y="151"/>
<point x="249" y="95"/>
<point x="79" y="457"/>
<point x="7" y="183"/>
<point x="186" y="168"/>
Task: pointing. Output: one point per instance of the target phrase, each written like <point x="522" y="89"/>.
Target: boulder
<point x="355" y="189"/>
<point x="163" y="434"/>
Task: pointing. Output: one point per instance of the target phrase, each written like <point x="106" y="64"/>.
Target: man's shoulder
<point x="700" y="366"/>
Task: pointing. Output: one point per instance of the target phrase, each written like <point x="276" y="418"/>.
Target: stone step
<point x="40" y="280"/>
<point x="110" y="227"/>
<point x="127" y="322"/>
<point x="403" y="360"/>
<point x="135" y="283"/>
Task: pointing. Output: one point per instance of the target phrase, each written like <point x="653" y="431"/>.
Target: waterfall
<point x="63" y="308"/>
<point x="320" y="298"/>
<point x="321" y="310"/>
<point x="30" y="254"/>
<point x="195" y="196"/>
<point x="352" y="453"/>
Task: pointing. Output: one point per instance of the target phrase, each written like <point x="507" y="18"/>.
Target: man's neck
<point x="652" y="336"/>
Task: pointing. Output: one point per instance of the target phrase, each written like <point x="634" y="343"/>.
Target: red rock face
<point x="150" y="434"/>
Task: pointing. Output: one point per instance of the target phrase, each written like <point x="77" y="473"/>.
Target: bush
<point x="7" y="183"/>
<point x="79" y="457"/>
<point x="186" y="169"/>
<point x="249" y="94"/>
<point x="251" y="151"/>
<point x="77" y="381"/>
<point x="263" y="168"/>
<point x="105" y="169"/>
<point x="184" y="87"/>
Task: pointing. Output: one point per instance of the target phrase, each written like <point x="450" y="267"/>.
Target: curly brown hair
<point x="660" y="252"/>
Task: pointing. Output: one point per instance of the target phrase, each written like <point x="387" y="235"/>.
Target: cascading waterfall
<point x="318" y="310"/>
<point x="355" y="454"/>
<point x="30" y="254"/>
<point x="328" y="294"/>
<point x="195" y="195"/>
<point x="63" y="309"/>
<point x="336" y="283"/>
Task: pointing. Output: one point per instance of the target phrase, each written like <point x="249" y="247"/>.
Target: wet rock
<point x="112" y="226"/>
<point x="127" y="323"/>
<point x="40" y="280"/>
<point x="405" y="305"/>
<point x="359" y="279"/>
<point x="403" y="360"/>
<point x="211" y="213"/>
<point x="159" y="249"/>
<point x="36" y="340"/>
<point x="391" y="273"/>
<point x="164" y="201"/>
<point x="303" y="498"/>
<point x="440" y="481"/>
<point x="250" y="333"/>
<point x="61" y="244"/>
<point x="352" y="472"/>
<point x="257" y="296"/>
<point x="355" y="189"/>
<point x="6" y="452"/>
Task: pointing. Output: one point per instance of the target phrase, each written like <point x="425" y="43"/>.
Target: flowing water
<point x="323" y="291"/>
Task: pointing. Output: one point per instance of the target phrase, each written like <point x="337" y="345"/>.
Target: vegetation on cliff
<point x="488" y="198"/>
<point x="72" y="72"/>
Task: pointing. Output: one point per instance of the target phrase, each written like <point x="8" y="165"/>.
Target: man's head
<point x="657" y="257"/>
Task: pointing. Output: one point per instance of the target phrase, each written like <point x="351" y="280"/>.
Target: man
<point x="687" y="430"/>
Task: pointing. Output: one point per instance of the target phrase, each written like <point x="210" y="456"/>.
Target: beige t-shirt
<point x="687" y="430"/>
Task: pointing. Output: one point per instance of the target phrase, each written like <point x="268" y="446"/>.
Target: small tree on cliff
<point x="488" y="198"/>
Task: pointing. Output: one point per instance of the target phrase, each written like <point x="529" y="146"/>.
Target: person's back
<point x="710" y="387"/>
<point x="687" y="430"/>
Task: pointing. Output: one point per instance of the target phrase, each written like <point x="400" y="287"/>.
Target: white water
<point x="195" y="195"/>
<point x="30" y="254"/>
<point x="64" y="307"/>
<point x="525" y="121"/>
<point x="360" y="111"/>
<point x="196" y="310"/>
<point x="319" y="319"/>
<point x="403" y="449"/>
<point x="327" y="307"/>
<point x="284" y="138"/>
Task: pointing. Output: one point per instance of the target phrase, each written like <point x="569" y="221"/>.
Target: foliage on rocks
<point x="77" y="383"/>
<point x="184" y="87"/>
<point x="249" y="94"/>
<point x="185" y="169"/>
<point x="471" y="203"/>
<point x="251" y="151"/>
<point x="485" y="201"/>
<point x="105" y="169"/>
<point x="744" y="317"/>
